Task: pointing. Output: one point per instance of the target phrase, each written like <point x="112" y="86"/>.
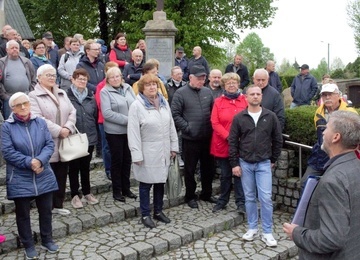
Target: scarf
<point x="23" y="119"/>
<point x="43" y="57"/>
<point x="151" y="101"/>
<point x="80" y="95"/>
<point x="232" y="95"/>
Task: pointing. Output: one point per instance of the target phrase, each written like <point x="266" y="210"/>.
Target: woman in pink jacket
<point x="224" y="110"/>
<point x="52" y="104"/>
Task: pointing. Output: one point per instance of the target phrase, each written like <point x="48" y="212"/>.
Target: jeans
<point x="105" y="150"/>
<point x="61" y="171"/>
<point x="258" y="176"/>
<point x="226" y="183"/>
<point x="120" y="163"/>
<point x="81" y="165"/>
<point x="22" y="211"/>
<point x="158" y="198"/>
<point x="293" y="105"/>
<point x="193" y="151"/>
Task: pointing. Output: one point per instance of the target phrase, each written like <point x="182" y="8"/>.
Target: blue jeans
<point x="226" y="182"/>
<point x="22" y="211"/>
<point x="258" y="176"/>
<point x="293" y="105"/>
<point x="105" y="150"/>
<point x="158" y="197"/>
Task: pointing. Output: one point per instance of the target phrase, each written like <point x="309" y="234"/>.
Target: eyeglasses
<point x="231" y="83"/>
<point x="115" y="77"/>
<point x="81" y="79"/>
<point x="48" y="75"/>
<point x="40" y="47"/>
<point x="20" y="105"/>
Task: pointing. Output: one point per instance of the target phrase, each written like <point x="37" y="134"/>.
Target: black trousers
<point x="192" y="152"/>
<point x="120" y="163"/>
<point x="22" y="211"/>
<point x="81" y="165"/>
<point x="61" y="171"/>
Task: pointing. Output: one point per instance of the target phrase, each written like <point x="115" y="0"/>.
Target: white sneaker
<point x="181" y="162"/>
<point x="61" y="211"/>
<point x="269" y="240"/>
<point x="90" y="199"/>
<point x="250" y="235"/>
<point x="76" y="202"/>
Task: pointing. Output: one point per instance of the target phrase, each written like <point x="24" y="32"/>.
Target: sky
<point x="302" y="30"/>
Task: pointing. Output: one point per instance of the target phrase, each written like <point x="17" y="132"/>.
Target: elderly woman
<point x="116" y="98"/>
<point x="121" y="53"/>
<point x="39" y="58"/>
<point x="224" y="110"/>
<point x="152" y="141"/>
<point x="27" y="147"/>
<point x="52" y="104"/>
<point x="86" y="116"/>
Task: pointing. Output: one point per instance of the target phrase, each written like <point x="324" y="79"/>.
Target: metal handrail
<point x="300" y="151"/>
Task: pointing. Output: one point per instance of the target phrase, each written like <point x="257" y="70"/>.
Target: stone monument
<point x="2" y="14"/>
<point x="160" y="40"/>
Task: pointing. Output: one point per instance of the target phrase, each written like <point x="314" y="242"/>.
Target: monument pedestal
<point x="160" y="41"/>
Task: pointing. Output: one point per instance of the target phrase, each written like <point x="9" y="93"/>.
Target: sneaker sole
<point x="266" y="242"/>
<point x="50" y="251"/>
<point x="250" y="239"/>
<point x="28" y="258"/>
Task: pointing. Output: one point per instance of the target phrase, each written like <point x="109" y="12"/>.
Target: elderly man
<point x="12" y="34"/>
<point x="133" y="70"/>
<point x="274" y="78"/>
<point x="332" y="101"/>
<point x="214" y="83"/>
<point x="255" y="143"/>
<point x="191" y="108"/>
<point x="332" y="228"/>
<point x="303" y="88"/>
<point x="239" y="68"/>
<point x="92" y="64"/>
<point x="175" y="82"/>
<point x="271" y="98"/>
<point x="16" y="74"/>
<point x="198" y="59"/>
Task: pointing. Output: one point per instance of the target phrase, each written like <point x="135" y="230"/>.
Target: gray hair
<point x="347" y="124"/>
<point x="44" y="68"/>
<point x="258" y="71"/>
<point x="12" y="42"/>
<point x="16" y="96"/>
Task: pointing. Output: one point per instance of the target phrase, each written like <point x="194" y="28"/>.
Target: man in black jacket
<point x="240" y="69"/>
<point x="191" y="109"/>
<point x="255" y="142"/>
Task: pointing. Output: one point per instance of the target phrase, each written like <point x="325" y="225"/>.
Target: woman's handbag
<point x="74" y="146"/>
<point x="174" y="181"/>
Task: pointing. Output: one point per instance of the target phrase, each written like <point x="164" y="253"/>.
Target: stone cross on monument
<point x="160" y="40"/>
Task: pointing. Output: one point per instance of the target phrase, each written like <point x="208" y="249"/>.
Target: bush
<point x="300" y="124"/>
<point x="287" y="79"/>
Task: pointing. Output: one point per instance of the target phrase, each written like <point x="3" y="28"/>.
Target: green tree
<point x="254" y="53"/>
<point x="337" y="64"/>
<point x="353" y="11"/>
<point x="320" y="70"/>
<point x="200" y="22"/>
<point x="285" y="69"/>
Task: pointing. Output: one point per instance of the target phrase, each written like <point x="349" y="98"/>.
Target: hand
<point x="64" y="132"/>
<point x="35" y="164"/>
<point x="128" y="76"/>
<point x="172" y="154"/>
<point x="39" y="170"/>
<point x="288" y="229"/>
<point x="138" y="163"/>
<point x="272" y="165"/>
<point x="236" y="171"/>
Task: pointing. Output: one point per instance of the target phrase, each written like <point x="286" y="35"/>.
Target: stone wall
<point x="285" y="191"/>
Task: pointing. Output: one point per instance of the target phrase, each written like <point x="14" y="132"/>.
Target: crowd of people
<point x="136" y="119"/>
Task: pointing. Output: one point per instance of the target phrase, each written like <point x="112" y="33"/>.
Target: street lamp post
<point x="328" y="57"/>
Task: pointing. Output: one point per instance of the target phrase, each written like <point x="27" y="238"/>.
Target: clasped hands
<point x="36" y="166"/>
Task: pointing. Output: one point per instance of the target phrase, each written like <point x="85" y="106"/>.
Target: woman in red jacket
<point x="121" y="53"/>
<point x="224" y="110"/>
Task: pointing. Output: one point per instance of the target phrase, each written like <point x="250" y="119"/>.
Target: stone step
<point x="229" y="244"/>
<point x="192" y="234"/>
<point x="90" y="217"/>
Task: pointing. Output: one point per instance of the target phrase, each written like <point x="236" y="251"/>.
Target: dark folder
<point x="302" y="207"/>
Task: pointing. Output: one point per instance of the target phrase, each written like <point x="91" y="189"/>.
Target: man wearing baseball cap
<point x="191" y="109"/>
<point x="51" y="49"/>
<point x="332" y="101"/>
<point x="181" y="61"/>
<point x="303" y="88"/>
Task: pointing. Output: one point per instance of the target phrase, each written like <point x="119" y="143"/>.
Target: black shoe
<point x="148" y="222"/>
<point x="162" y="218"/>
<point x="108" y="175"/>
<point x="217" y="208"/>
<point x="119" y="198"/>
<point x="193" y="204"/>
<point x="211" y="199"/>
<point x="241" y="209"/>
<point x="130" y="195"/>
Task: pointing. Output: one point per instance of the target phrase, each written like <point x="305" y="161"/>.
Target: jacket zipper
<point x="32" y="156"/>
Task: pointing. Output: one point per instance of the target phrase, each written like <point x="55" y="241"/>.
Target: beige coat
<point x="42" y="105"/>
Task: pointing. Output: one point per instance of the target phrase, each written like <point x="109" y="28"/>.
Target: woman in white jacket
<point x="152" y="141"/>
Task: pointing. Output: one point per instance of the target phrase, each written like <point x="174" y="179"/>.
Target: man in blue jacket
<point x="303" y="88"/>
